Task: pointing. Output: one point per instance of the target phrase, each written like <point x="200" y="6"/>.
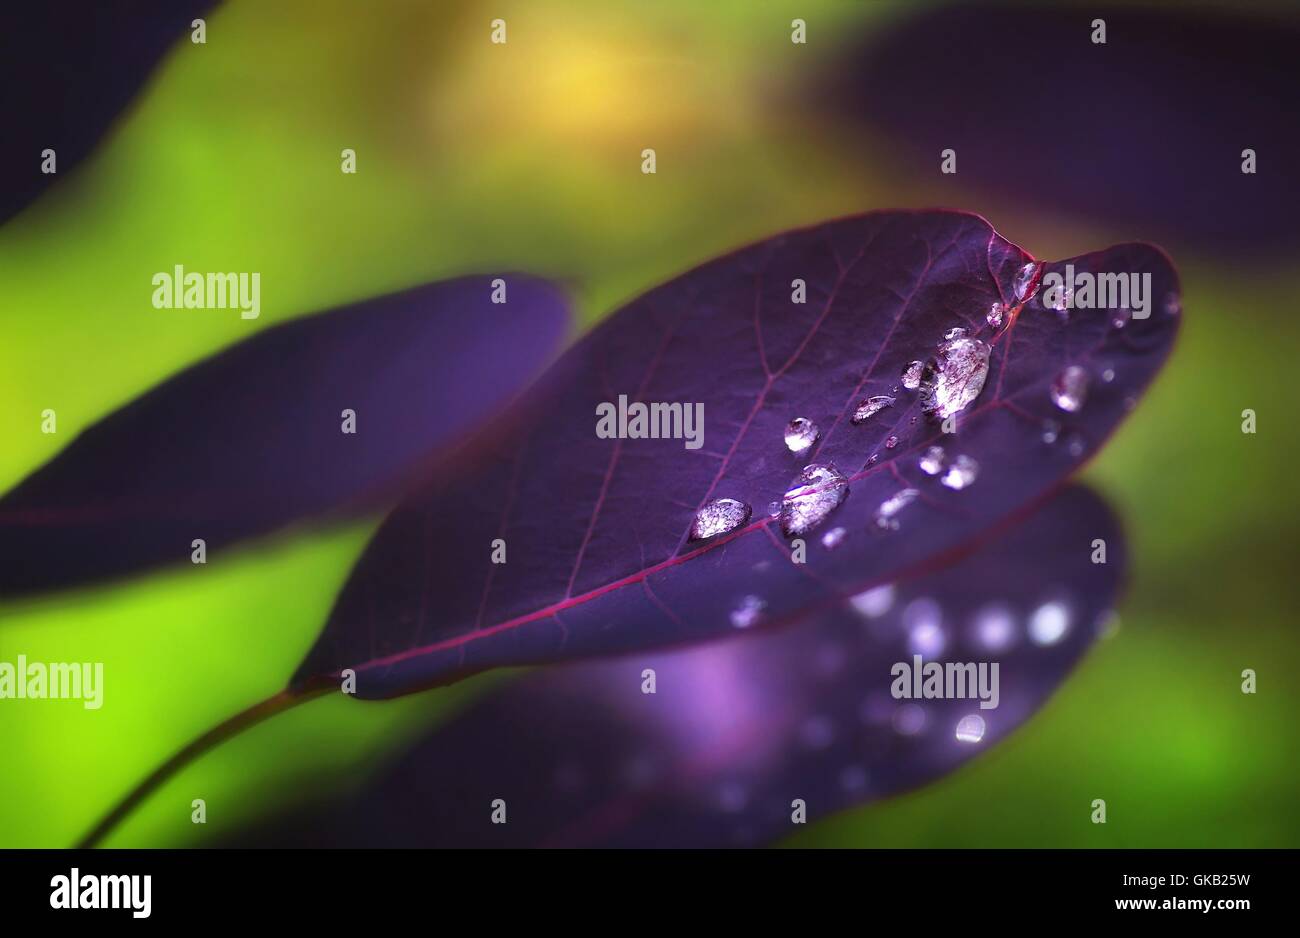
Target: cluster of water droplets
<point x="957" y="473"/>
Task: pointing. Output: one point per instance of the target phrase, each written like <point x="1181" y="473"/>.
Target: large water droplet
<point x="1070" y="388"/>
<point x="1027" y="281"/>
<point x="932" y="462"/>
<point x="970" y="728"/>
<point x="997" y="312"/>
<point x="912" y="375"/>
<point x="955" y="377"/>
<point x="870" y="407"/>
<point x="886" y="515"/>
<point x="800" y="434"/>
<point x="718" y="517"/>
<point x="817" y="492"/>
<point x="961" y="473"/>
<point x="748" y="611"/>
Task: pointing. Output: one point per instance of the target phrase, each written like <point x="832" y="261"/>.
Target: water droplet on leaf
<point x="932" y="462"/>
<point x="817" y="492"/>
<point x="970" y="728"/>
<point x="1070" y="388"/>
<point x="886" y="515"/>
<point x="912" y="375"/>
<point x="747" y="612"/>
<point x="718" y="517"/>
<point x="800" y="434"/>
<point x="834" y="538"/>
<point x="954" y="377"/>
<point x="870" y="407"/>
<point x="1027" y="281"/>
<point x="961" y="473"/>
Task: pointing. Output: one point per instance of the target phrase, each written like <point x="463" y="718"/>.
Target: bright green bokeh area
<point x="477" y="157"/>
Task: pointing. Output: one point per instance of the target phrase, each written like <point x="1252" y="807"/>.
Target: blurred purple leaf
<point x="67" y="70"/>
<point x="252" y="438"/>
<point x="597" y="531"/>
<point x="1144" y="131"/>
<point x="739" y="728"/>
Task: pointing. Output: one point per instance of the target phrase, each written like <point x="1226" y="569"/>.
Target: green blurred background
<point x="480" y="157"/>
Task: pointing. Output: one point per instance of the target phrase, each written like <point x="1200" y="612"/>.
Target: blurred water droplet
<point x="718" y="517"/>
<point x="1108" y="375"/>
<point x="1173" y="304"/>
<point x="1075" y="445"/>
<point x="932" y="461"/>
<point x="817" y="732"/>
<point x="870" y="407"/>
<point x="954" y="377"/>
<point x="874" y="603"/>
<point x="912" y="375"/>
<point x="970" y="728"/>
<point x="1119" y="319"/>
<point x="995" y="627"/>
<point x="1070" y="388"/>
<point x="997" y="312"/>
<point x="853" y="778"/>
<point x="748" y="611"/>
<point x="961" y="473"/>
<point x="817" y="492"/>
<point x="834" y="538"/>
<point x="732" y="798"/>
<point x="1051" y="430"/>
<point x="1049" y="623"/>
<point x="800" y="434"/>
<point x="927" y="640"/>
<point x="1027" y="281"/>
<point x="886" y="515"/>
<point x="909" y="719"/>
<point x="922" y="611"/>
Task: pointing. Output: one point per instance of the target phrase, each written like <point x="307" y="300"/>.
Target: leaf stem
<point x="245" y="719"/>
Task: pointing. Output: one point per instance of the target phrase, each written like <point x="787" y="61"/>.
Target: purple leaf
<point x="1146" y="130"/>
<point x="738" y="729"/>
<point x="597" y="531"/>
<point x="67" y="71"/>
<point x="253" y="438"/>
